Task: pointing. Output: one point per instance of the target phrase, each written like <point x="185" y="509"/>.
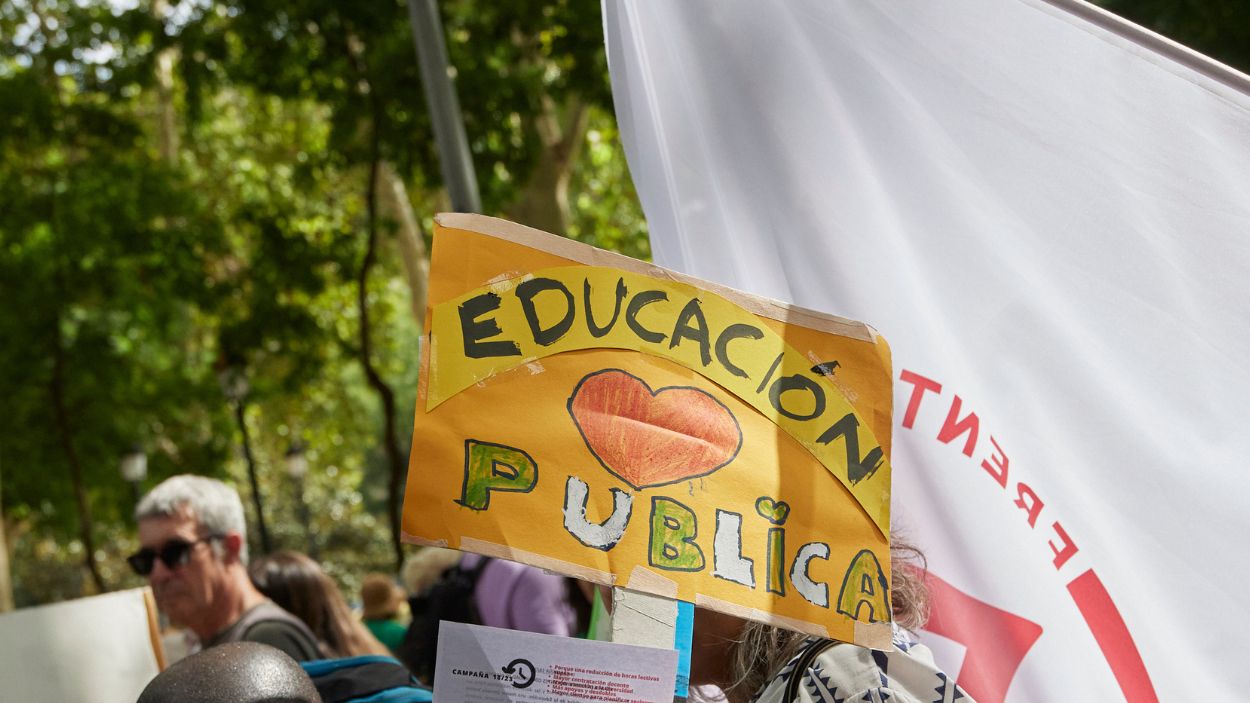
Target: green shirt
<point x="389" y="632"/>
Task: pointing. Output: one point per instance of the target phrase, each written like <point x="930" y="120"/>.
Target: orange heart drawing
<point x="653" y="438"/>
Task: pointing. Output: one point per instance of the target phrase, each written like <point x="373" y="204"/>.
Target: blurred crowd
<point x="278" y="628"/>
<point x="194" y="554"/>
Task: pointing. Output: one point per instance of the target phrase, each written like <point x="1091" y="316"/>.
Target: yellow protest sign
<point x="609" y="419"/>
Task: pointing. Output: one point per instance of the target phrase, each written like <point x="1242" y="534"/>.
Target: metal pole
<point x="305" y="517"/>
<point x="455" y="161"/>
<point x="135" y="494"/>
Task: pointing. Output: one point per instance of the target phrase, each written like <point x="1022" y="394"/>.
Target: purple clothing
<point x="520" y="597"/>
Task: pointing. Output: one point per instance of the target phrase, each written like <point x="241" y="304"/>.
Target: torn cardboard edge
<point x="502" y="551"/>
<point x="646" y="580"/>
<point x="876" y="635"/>
<point x="591" y="256"/>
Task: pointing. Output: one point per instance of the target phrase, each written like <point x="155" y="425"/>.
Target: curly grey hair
<point x="212" y="503"/>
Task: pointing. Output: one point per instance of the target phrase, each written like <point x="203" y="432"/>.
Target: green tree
<point x="529" y="74"/>
<point x="245" y="183"/>
<point x="104" y="262"/>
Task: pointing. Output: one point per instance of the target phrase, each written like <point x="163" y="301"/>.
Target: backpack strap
<point x="801" y="665"/>
<point x="474" y="576"/>
<point x="268" y="611"/>
<point x="373" y="678"/>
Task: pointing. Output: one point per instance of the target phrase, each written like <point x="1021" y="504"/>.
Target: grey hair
<point x="214" y="505"/>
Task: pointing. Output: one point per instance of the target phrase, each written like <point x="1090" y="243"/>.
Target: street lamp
<point x="296" y="462"/>
<point x="134" y="468"/>
<point x="297" y="469"/>
<point x="233" y="381"/>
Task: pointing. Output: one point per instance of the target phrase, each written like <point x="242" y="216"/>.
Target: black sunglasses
<point x="173" y="554"/>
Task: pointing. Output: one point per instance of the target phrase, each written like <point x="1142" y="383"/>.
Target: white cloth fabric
<point x="1045" y="211"/>
<point x="843" y="672"/>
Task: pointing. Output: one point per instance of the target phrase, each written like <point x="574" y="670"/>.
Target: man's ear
<point x="233" y="543"/>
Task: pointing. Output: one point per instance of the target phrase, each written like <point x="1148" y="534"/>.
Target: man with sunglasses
<point x="193" y="541"/>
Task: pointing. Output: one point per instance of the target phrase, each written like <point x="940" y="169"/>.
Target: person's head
<point x="236" y="672"/>
<point x="301" y="587"/>
<point x="380" y="597"/>
<point x="193" y="548"/>
<point x="425" y="567"/>
<point x="741" y="656"/>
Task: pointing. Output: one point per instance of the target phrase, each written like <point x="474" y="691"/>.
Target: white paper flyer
<point x="490" y="665"/>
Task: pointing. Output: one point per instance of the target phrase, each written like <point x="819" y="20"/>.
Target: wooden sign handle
<point x="655" y="621"/>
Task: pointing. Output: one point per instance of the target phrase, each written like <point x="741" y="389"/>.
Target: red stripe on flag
<point x="994" y="639"/>
<point x="1113" y="637"/>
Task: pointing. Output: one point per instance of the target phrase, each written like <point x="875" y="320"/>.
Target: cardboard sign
<point x="100" y="649"/>
<point x="601" y="417"/>
<point x="478" y="663"/>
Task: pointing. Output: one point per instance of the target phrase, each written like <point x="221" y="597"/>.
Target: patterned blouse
<point x="834" y="672"/>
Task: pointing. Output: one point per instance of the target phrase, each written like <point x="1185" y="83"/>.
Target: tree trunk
<point x="240" y="416"/>
<point x="408" y="235"/>
<point x="390" y="439"/>
<point x="167" y="130"/>
<point x="56" y="385"/>
<point x="6" y="576"/>
<point x="56" y="390"/>
<point x="391" y="436"/>
<point x="544" y="202"/>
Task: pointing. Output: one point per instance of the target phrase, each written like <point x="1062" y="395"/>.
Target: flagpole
<point x="455" y="161"/>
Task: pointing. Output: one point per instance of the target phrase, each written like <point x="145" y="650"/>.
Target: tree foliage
<point x="193" y="186"/>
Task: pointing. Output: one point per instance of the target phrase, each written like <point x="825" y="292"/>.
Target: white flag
<point x="1046" y="211"/>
